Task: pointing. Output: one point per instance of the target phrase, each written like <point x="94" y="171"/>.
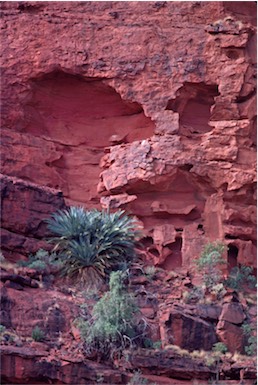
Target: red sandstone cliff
<point x="149" y="106"/>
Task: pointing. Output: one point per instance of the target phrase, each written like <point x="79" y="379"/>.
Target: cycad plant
<point x="93" y="243"/>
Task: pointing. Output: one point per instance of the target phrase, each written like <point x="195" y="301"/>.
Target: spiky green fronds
<point x="93" y="241"/>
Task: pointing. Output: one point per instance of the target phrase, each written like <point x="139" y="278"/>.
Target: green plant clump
<point x="113" y="325"/>
<point x="240" y="277"/>
<point x="208" y="264"/>
<point x="37" y="334"/>
<point x="251" y="345"/>
<point x="219" y="347"/>
<point x="92" y="243"/>
<point x="41" y="261"/>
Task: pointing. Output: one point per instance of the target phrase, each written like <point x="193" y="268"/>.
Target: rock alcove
<point x="81" y="117"/>
<point x="193" y="103"/>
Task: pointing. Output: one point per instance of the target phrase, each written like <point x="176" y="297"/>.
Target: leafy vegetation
<point x="241" y="277"/>
<point x="157" y="345"/>
<point x="150" y="344"/>
<point x="251" y="339"/>
<point x="219" y="347"/>
<point x="37" y="334"/>
<point x="41" y="261"/>
<point x="113" y="325"/>
<point x="208" y="264"/>
<point x="92" y="243"/>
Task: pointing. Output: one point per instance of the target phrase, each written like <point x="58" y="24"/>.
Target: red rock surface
<point x="25" y="207"/>
<point x="148" y="106"/>
<point x="36" y="368"/>
<point x="166" y="90"/>
<point x="59" y="357"/>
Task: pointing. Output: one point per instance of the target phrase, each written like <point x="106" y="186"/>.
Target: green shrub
<point x="251" y="339"/>
<point x="247" y="329"/>
<point x="157" y="345"/>
<point x="2" y="329"/>
<point x="208" y="264"/>
<point x="42" y="261"/>
<point x="37" y="334"/>
<point x="113" y="325"/>
<point x="219" y="347"/>
<point x="251" y="348"/>
<point x="93" y="243"/>
<point x="240" y="277"/>
<point x="149" y="344"/>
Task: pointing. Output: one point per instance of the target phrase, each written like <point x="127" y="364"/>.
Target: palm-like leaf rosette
<point x="93" y="243"/>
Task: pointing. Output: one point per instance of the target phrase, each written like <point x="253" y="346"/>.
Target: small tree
<point x="113" y="325"/>
<point x="208" y="264"/>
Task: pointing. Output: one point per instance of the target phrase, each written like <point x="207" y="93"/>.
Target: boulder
<point x="25" y="207"/>
<point x="186" y="330"/>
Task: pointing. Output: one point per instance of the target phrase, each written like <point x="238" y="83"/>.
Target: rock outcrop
<point x="25" y="207"/>
<point x="148" y="106"/>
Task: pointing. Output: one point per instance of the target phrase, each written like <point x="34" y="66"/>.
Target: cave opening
<point x="232" y="255"/>
<point x="193" y="102"/>
<point x="174" y="257"/>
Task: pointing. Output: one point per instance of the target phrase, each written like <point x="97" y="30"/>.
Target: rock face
<point x="147" y="106"/>
<point x="182" y="328"/>
<point x="25" y="206"/>
<point x="229" y="326"/>
<point x="59" y="357"/>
